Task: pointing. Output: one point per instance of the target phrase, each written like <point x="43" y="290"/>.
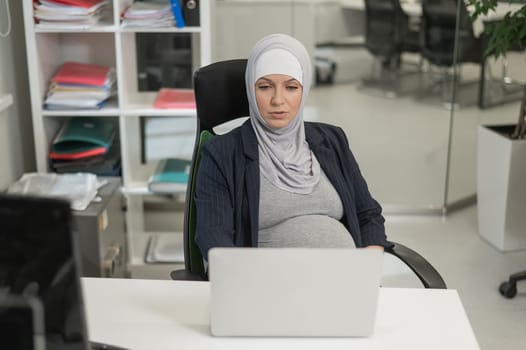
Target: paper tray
<point x="165" y="248"/>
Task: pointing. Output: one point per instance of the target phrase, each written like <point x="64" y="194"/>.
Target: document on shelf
<point x="68" y="14"/>
<point x="84" y="73"/>
<point x="170" y="176"/>
<point x="148" y="15"/>
<point x="165" y="248"/>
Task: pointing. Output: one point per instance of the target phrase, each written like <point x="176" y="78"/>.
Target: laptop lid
<point x="38" y="260"/>
<point x="293" y="291"/>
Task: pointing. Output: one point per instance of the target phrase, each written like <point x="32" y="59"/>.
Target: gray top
<point x="288" y="219"/>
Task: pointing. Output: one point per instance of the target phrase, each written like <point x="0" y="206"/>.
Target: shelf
<point x="100" y="28"/>
<point x="138" y="268"/>
<point x="110" y="28"/>
<point x="108" y="43"/>
<point x="145" y="111"/>
<point x="110" y="109"/>
<point x="140" y="244"/>
<point x="143" y="106"/>
<point x="140" y="188"/>
<point x="161" y="30"/>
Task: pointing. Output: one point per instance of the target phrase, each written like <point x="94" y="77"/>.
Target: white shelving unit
<point x="107" y="43"/>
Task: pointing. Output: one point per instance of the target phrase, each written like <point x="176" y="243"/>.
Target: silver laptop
<point x="293" y="291"/>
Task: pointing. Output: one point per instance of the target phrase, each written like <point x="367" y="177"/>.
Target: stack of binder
<point x="86" y="144"/>
<point x="80" y="86"/>
<point x="148" y="14"/>
<point x="71" y="14"/>
<point x="170" y="177"/>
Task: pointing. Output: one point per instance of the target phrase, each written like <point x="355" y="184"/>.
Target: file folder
<point x="178" y="13"/>
<point x="175" y="98"/>
<point x="83" y="137"/>
<point x="84" y="73"/>
<point x="171" y="176"/>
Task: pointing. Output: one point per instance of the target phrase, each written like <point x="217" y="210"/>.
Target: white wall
<point x="16" y="135"/>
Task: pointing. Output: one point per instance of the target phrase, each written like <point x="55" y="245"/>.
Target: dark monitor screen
<point x="21" y="323"/>
<point x="38" y="259"/>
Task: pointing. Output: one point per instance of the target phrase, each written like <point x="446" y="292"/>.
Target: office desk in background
<point x="414" y="8"/>
<point x="411" y="7"/>
<point x="165" y="315"/>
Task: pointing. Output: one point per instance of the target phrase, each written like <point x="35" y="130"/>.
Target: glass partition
<point x="500" y="83"/>
<point x="373" y="78"/>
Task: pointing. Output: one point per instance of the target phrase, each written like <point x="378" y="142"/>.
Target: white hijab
<point x="285" y="158"/>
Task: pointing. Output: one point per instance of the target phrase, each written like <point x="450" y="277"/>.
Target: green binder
<point x="171" y="176"/>
<point x="84" y="133"/>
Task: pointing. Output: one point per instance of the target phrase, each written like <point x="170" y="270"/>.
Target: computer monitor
<point x="38" y="260"/>
<point x="21" y="323"/>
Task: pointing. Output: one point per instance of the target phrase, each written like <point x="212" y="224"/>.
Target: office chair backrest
<point x="385" y="27"/>
<point x="439" y="24"/>
<point x="221" y="96"/>
<point x="220" y="93"/>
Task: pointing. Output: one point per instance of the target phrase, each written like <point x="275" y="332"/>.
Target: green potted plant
<point x="503" y="35"/>
<point x="501" y="151"/>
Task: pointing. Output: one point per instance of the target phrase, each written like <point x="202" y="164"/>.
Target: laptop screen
<point x="37" y="259"/>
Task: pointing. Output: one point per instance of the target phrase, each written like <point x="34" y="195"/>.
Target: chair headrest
<point x="220" y="93"/>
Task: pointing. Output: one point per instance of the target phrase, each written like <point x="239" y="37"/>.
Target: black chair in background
<point x="389" y="32"/>
<point x="221" y="97"/>
<point x="439" y="25"/>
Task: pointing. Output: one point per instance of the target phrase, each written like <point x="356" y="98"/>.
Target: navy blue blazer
<point x="227" y="188"/>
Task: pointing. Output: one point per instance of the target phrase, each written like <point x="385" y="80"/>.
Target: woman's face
<point x="278" y="97"/>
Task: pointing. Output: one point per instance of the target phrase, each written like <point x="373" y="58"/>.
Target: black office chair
<point x="389" y="33"/>
<point x="221" y="97"/>
<point x="439" y="26"/>
<point x="508" y="288"/>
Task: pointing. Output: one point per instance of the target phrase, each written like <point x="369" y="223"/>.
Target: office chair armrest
<point x="185" y="275"/>
<point x="425" y="272"/>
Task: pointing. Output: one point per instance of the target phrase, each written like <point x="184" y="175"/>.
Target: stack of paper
<point x="69" y="14"/>
<point x="148" y="14"/>
<point x="165" y="248"/>
<point x="80" y="86"/>
<point x="169" y="138"/>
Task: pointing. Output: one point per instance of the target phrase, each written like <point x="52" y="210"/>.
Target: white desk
<point x="166" y="315"/>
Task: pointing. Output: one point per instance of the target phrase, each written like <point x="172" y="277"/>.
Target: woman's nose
<point x="277" y="98"/>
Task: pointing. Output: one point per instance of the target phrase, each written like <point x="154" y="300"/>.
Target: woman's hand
<point x="379" y="247"/>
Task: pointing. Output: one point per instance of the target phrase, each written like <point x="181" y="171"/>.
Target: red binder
<point x="79" y="155"/>
<point x="174" y="99"/>
<point x="79" y="3"/>
<point x="83" y="74"/>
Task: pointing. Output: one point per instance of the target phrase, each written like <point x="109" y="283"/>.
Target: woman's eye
<point x="263" y="87"/>
<point x="292" y="87"/>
